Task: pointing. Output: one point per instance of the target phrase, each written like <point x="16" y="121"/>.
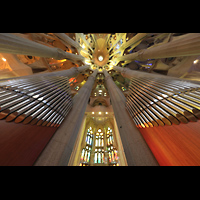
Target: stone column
<point x="134" y="41"/>
<point x="75" y="156"/>
<point x="136" y="150"/>
<point x="187" y="45"/>
<point x="60" y="147"/>
<point x="66" y="39"/>
<point x="137" y="38"/>
<point x="116" y="41"/>
<point x="16" y="45"/>
<point x="85" y="41"/>
<point x="128" y="73"/>
<point x="72" y="72"/>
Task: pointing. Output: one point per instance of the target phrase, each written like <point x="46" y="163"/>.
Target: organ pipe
<point x="39" y="100"/>
<point x="158" y="102"/>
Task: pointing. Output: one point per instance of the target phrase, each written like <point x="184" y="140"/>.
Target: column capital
<point x="140" y="54"/>
<point x="106" y="74"/>
<point x="82" y="68"/>
<point x="122" y="70"/>
<point x="93" y="75"/>
<point x="60" y="54"/>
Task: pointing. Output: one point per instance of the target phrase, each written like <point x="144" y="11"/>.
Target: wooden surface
<point x="176" y="145"/>
<point x="21" y="144"/>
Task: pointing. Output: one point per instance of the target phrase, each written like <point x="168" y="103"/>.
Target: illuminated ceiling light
<point x="100" y="58"/>
<point x="93" y="113"/>
<point x="112" y="62"/>
<point x="63" y="60"/>
<point x="100" y="91"/>
<point x="123" y="88"/>
<point x="99" y="113"/>
<point x="4" y="59"/>
<point x="76" y="88"/>
<point x="196" y="61"/>
<point x="83" y="82"/>
<point x="106" y="113"/>
<point x="88" y="62"/>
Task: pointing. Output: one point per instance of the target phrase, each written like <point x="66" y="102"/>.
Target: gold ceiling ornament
<point x="101" y="54"/>
<point x="155" y="101"/>
<point x="41" y="100"/>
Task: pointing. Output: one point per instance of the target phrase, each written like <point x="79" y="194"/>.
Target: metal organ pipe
<point x="39" y="100"/>
<point x="155" y="101"/>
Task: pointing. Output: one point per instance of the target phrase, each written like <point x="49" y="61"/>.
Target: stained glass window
<point x="100" y="152"/>
<point x="112" y="151"/>
<point x="86" y="151"/>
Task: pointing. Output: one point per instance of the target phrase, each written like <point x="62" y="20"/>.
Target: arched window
<point x="99" y="147"/>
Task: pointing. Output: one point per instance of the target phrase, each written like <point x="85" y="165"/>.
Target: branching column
<point x="66" y="39"/>
<point x="72" y="72"/>
<point x="133" y="41"/>
<point x="128" y="73"/>
<point x="136" y="150"/>
<point x="81" y="35"/>
<point x="16" y="45"/>
<point x="59" y="149"/>
<point x="187" y="45"/>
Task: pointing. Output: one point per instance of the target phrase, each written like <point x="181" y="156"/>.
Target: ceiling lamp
<point x="100" y="58"/>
